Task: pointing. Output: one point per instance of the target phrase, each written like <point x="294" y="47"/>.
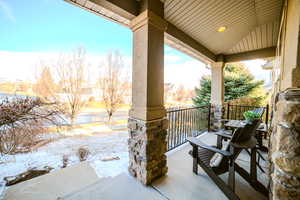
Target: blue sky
<point x="32" y="30"/>
<point x="54" y="25"/>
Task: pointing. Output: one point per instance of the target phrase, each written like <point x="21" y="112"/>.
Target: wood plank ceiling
<point x="250" y="24"/>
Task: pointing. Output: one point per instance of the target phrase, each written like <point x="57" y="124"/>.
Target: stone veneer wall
<point x="217" y="112"/>
<point x="147" y="146"/>
<point x="285" y="147"/>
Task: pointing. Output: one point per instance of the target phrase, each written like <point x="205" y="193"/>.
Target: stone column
<point x="284" y="151"/>
<point x="285" y="147"/>
<point x="147" y="123"/>
<point x="217" y="94"/>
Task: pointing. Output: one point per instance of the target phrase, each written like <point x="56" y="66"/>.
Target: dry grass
<point x="101" y="105"/>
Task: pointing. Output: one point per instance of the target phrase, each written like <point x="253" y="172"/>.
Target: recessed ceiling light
<point x="222" y="29"/>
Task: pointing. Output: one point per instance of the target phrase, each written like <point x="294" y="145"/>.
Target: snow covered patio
<point x="100" y="144"/>
<point x="81" y="181"/>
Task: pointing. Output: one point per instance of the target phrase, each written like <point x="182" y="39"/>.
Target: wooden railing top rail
<point x="247" y="106"/>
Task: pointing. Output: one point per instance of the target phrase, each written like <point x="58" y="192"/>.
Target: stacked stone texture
<point x="285" y="147"/>
<point x="147" y="146"/>
<point x="217" y="112"/>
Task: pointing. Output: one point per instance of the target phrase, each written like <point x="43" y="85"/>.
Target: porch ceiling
<point x="250" y="25"/>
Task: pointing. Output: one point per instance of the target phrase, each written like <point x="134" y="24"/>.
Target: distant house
<point x="269" y="66"/>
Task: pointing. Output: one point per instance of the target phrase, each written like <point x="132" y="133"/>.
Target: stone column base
<point x="216" y="117"/>
<point x="147" y="146"/>
<point x="285" y="147"/>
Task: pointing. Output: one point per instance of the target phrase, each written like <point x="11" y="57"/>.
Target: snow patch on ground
<point x="100" y="128"/>
<point x="111" y="168"/>
<point x="100" y="146"/>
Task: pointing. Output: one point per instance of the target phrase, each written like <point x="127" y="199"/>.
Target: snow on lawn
<point x="100" y="146"/>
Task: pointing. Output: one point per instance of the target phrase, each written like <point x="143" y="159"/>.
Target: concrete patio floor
<point x="180" y="183"/>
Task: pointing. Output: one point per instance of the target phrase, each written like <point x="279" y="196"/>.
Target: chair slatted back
<point x="245" y="133"/>
<point x="259" y="111"/>
<point x="240" y="135"/>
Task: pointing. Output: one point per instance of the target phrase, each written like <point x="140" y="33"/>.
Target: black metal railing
<point x="235" y="112"/>
<point x="193" y="121"/>
<point x="185" y="122"/>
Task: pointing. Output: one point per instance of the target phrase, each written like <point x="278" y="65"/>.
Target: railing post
<point x="209" y="116"/>
<point x="228" y="107"/>
<point x="267" y="114"/>
<point x="183" y="122"/>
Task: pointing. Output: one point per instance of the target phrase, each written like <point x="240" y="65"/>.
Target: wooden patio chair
<point x="259" y="111"/>
<point x="215" y="161"/>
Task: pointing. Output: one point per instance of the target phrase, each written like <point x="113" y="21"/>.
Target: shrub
<point x="91" y="99"/>
<point x="83" y="153"/>
<point x="249" y="101"/>
<point x="21" y="120"/>
<point x="65" y="161"/>
<point x="250" y="115"/>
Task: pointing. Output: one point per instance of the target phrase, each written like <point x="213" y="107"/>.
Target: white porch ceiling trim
<point x="260" y="37"/>
<point x="193" y="24"/>
<point x="94" y="7"/>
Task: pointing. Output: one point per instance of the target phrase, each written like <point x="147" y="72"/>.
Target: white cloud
<point x="178" y="70"/>
<point x="24" y="65"/>
<point x="7" y="11"/>
<point x="170" y="58"/>
<point x="187" y="73"/>
<point x="255" y="67"/>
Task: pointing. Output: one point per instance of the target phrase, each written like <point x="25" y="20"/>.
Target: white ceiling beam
<point x="185" y="38"/>
<point x="250" y="55"/>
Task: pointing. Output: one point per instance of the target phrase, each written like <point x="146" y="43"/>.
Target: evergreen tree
<point x="238" y="82"/>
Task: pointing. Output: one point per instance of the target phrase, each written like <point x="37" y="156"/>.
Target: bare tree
<point x="72" y="75"/>
<point x="168" y="87"/>
<point x="21" y="120"/>
<point x="45" y="86"/>
<point x="113" y="83"/>
<point x="180" y="94"/>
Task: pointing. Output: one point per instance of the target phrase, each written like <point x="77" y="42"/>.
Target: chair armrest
<point x="223" y="134"/>
<point x="225" y="120"/>
<point x="196" y="142"/>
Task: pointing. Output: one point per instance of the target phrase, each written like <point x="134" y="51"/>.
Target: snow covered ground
<point x="100" y="145"/>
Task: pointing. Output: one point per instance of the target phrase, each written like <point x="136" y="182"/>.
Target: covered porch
<point x="215" y="32"/>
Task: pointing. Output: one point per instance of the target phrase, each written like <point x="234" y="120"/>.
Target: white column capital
<point x="148" y="17"/>
<point x="218" y="64"/>
<point x="147" y="113"/>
